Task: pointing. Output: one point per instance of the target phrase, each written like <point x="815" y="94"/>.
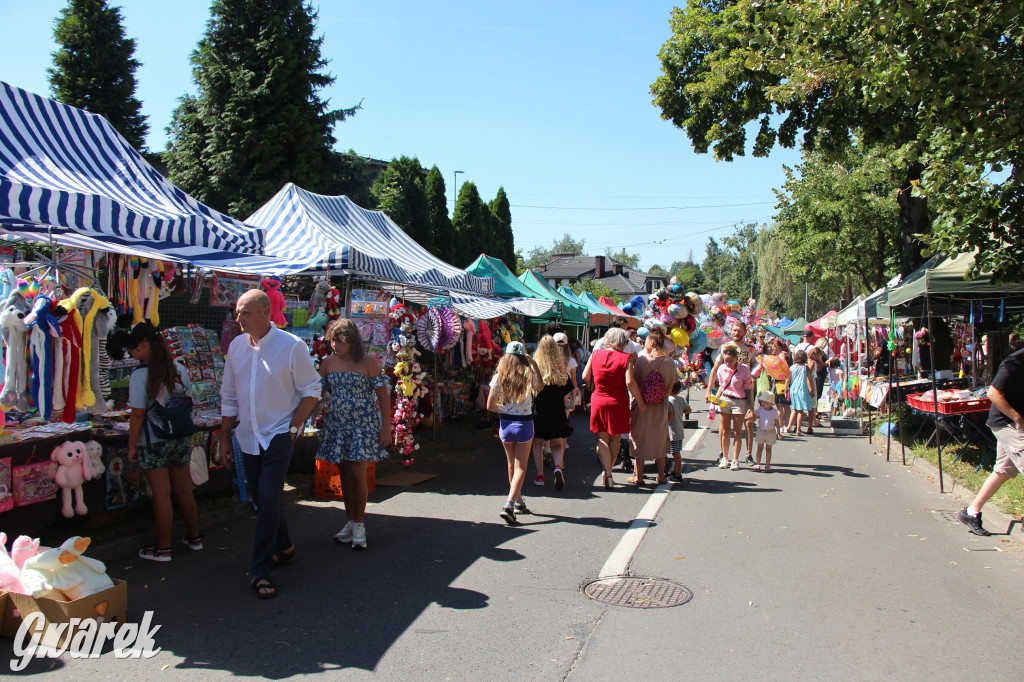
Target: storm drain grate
<point x="945" y="514"/>
<point x="638" y="593"/>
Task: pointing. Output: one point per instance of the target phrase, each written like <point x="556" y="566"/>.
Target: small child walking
<point x="769" y="428"/>
<point x="678" y="410"/>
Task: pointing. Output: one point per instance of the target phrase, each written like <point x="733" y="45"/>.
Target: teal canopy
<point x="571" y="313"/>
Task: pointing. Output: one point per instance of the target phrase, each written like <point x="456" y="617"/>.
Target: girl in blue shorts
<point x="516" y="380"/>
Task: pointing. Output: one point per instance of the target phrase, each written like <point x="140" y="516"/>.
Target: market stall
<point x="571" y="314"/>
<point x="940" y="288"/>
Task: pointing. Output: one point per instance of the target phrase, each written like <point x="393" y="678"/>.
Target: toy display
<point x="272" y="288"/>
<point x="13" y="330"/>
<point x="318" y="300"/>
<point x="43" y="327"/>
<point x="62" y="573"/>
<point x="409" y="389"/>
<point x="74" y="467"/>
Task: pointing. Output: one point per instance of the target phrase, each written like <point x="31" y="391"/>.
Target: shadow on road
<point x="336" y="608"/>
<point x="725" y="487"/>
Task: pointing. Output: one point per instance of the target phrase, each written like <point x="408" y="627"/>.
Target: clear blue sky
<point x="548" y="99"/>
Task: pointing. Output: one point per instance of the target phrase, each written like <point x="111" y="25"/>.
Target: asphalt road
<point x="836" y="565"/>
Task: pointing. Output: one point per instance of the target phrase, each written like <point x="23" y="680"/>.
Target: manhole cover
<point x="638" y="593"/>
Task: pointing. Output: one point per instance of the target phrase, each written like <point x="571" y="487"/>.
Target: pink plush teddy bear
<point x="74" y="469"/>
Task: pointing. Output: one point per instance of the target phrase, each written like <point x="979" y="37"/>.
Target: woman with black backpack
<point x="160" y="382"/>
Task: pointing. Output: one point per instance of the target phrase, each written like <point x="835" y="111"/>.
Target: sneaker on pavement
<point x="344" y="536"/>
<point x="675" y="478"/>
<point x="509" y="515"/>
<point x="559" y="478"/>
<point x="767" y="467"/>
<point x="521" y="508"/>
<point x="723" y="463"/>
<point x="539" y="480"/>
<point x="972" y="522"/>
<point x="195" y="544"/>
<point x="757" y="467"/>
<point x="750" y="459"/>
<point x="735" y="465"/>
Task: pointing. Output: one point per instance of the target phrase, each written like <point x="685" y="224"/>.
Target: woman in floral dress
<point x="357" y="423"/>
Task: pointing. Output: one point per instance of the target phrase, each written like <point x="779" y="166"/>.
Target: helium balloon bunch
<point x="675" y="311"/>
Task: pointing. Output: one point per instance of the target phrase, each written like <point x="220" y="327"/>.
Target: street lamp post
<point x="455" y="189"/>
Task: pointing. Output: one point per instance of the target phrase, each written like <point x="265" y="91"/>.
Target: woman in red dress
<point x="610" y="369"/>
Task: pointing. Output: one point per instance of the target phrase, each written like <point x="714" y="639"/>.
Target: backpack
<point x="170" y="414"/>
<point x="653" y="389"/>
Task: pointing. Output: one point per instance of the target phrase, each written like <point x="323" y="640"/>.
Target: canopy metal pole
<point x="860" y="363"/>
<point x="935" y="390"/>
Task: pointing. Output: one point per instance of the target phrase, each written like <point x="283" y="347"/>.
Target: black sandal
<point x="263" y="588"/>
<point x="283" y="558"/>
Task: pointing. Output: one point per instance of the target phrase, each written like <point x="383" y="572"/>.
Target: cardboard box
<point x="8" y="624"/>
<point x="110" y="605"/>
<point x="327" y="482"/>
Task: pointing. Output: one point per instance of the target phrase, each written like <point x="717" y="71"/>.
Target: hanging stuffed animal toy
<point x="487" y="352"/>
<point x="90" y="303"/>
<point x="94" y="452"/>
<point x="409" y="388"/>
<point x="103" y="326"/>
<point x="8" y="283"/>
<point x="318" y="301"/>
<point x="318" y="323"/>
<point x="67" y="361"/>
<point x="333" y="302"/>
<point x="13" y="330"/>
<point x="73" y="470"/>
<point x="44" y="328"/>
<point x="272" y="287"/>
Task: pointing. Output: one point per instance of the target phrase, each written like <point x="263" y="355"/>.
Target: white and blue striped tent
<point x="66" y="174"/>
<point x="300" y="226"/>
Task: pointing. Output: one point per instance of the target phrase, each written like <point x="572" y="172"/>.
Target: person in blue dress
<point x="357" y="423"/>
<point x="801" y="390"/>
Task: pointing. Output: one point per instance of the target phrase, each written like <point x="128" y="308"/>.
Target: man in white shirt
<point x="807" y="344"/>
<point x="270" y="388"/>
<point x="621" y="323"/>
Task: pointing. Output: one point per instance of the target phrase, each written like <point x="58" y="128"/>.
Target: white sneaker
<point x="724" y="464"/>
<point x="735" y="465"/>
<point x="358" y="536"/>
<point x="344" y="536"/>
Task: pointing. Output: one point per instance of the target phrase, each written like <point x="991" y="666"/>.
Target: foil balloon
<point x="679" y="337"/>
<point x="698" y="341"/>
<point x="677" y="311"/>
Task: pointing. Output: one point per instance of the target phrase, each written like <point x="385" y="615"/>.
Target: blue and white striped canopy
<point x="315" y="233"/>
<point x="66" y="174"/>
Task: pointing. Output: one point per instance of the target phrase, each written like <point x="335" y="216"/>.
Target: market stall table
<point x="960" y="420"/>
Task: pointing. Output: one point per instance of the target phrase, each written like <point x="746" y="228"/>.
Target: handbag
<point x="33" y="481"/>
<point x="172" y="418"/>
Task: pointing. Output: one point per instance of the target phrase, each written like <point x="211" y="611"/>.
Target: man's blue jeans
<point x="266" y="473"/>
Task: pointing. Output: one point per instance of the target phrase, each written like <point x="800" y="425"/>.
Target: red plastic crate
<point x="949" y="407"/>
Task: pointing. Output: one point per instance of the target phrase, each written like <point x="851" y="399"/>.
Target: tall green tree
<point x="258" y="120"/>
<point x="94" y="67"/>
<point x="934" y="80"/>
<point x="595" y="287"/>
<point x="401" y="195"/>
<point x="441" y="224"/>
<point x="471" y="224"/>
<point x="504" y="242"/>
<point x="540" y="255"/>
<point x="839" y="217"/>
<point x="782" y="286"/>
<point x="630" y="260"/>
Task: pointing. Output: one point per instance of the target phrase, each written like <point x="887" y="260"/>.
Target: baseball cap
<point x="561" y="339"/>
<point x="515" y="348"/>
<point x="808" y="332"/>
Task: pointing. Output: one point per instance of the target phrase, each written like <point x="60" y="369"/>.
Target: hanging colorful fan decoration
<point x="428" y="329"/>
<point x="438" y="328"/>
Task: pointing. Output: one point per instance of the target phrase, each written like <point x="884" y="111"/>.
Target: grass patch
<point x="1009" y="498"/>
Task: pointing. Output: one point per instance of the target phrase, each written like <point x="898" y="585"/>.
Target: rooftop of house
<point x="576" y="267"/>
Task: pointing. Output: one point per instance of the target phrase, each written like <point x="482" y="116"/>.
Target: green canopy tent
<point x="508" y="287"/>
<point x="571" y="313"/>
<point x="599" y="316"/>
<point x="941" y="287"/>
<point x="795" y="327"/>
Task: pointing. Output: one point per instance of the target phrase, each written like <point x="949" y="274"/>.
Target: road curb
<point x="994" y="516"/>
